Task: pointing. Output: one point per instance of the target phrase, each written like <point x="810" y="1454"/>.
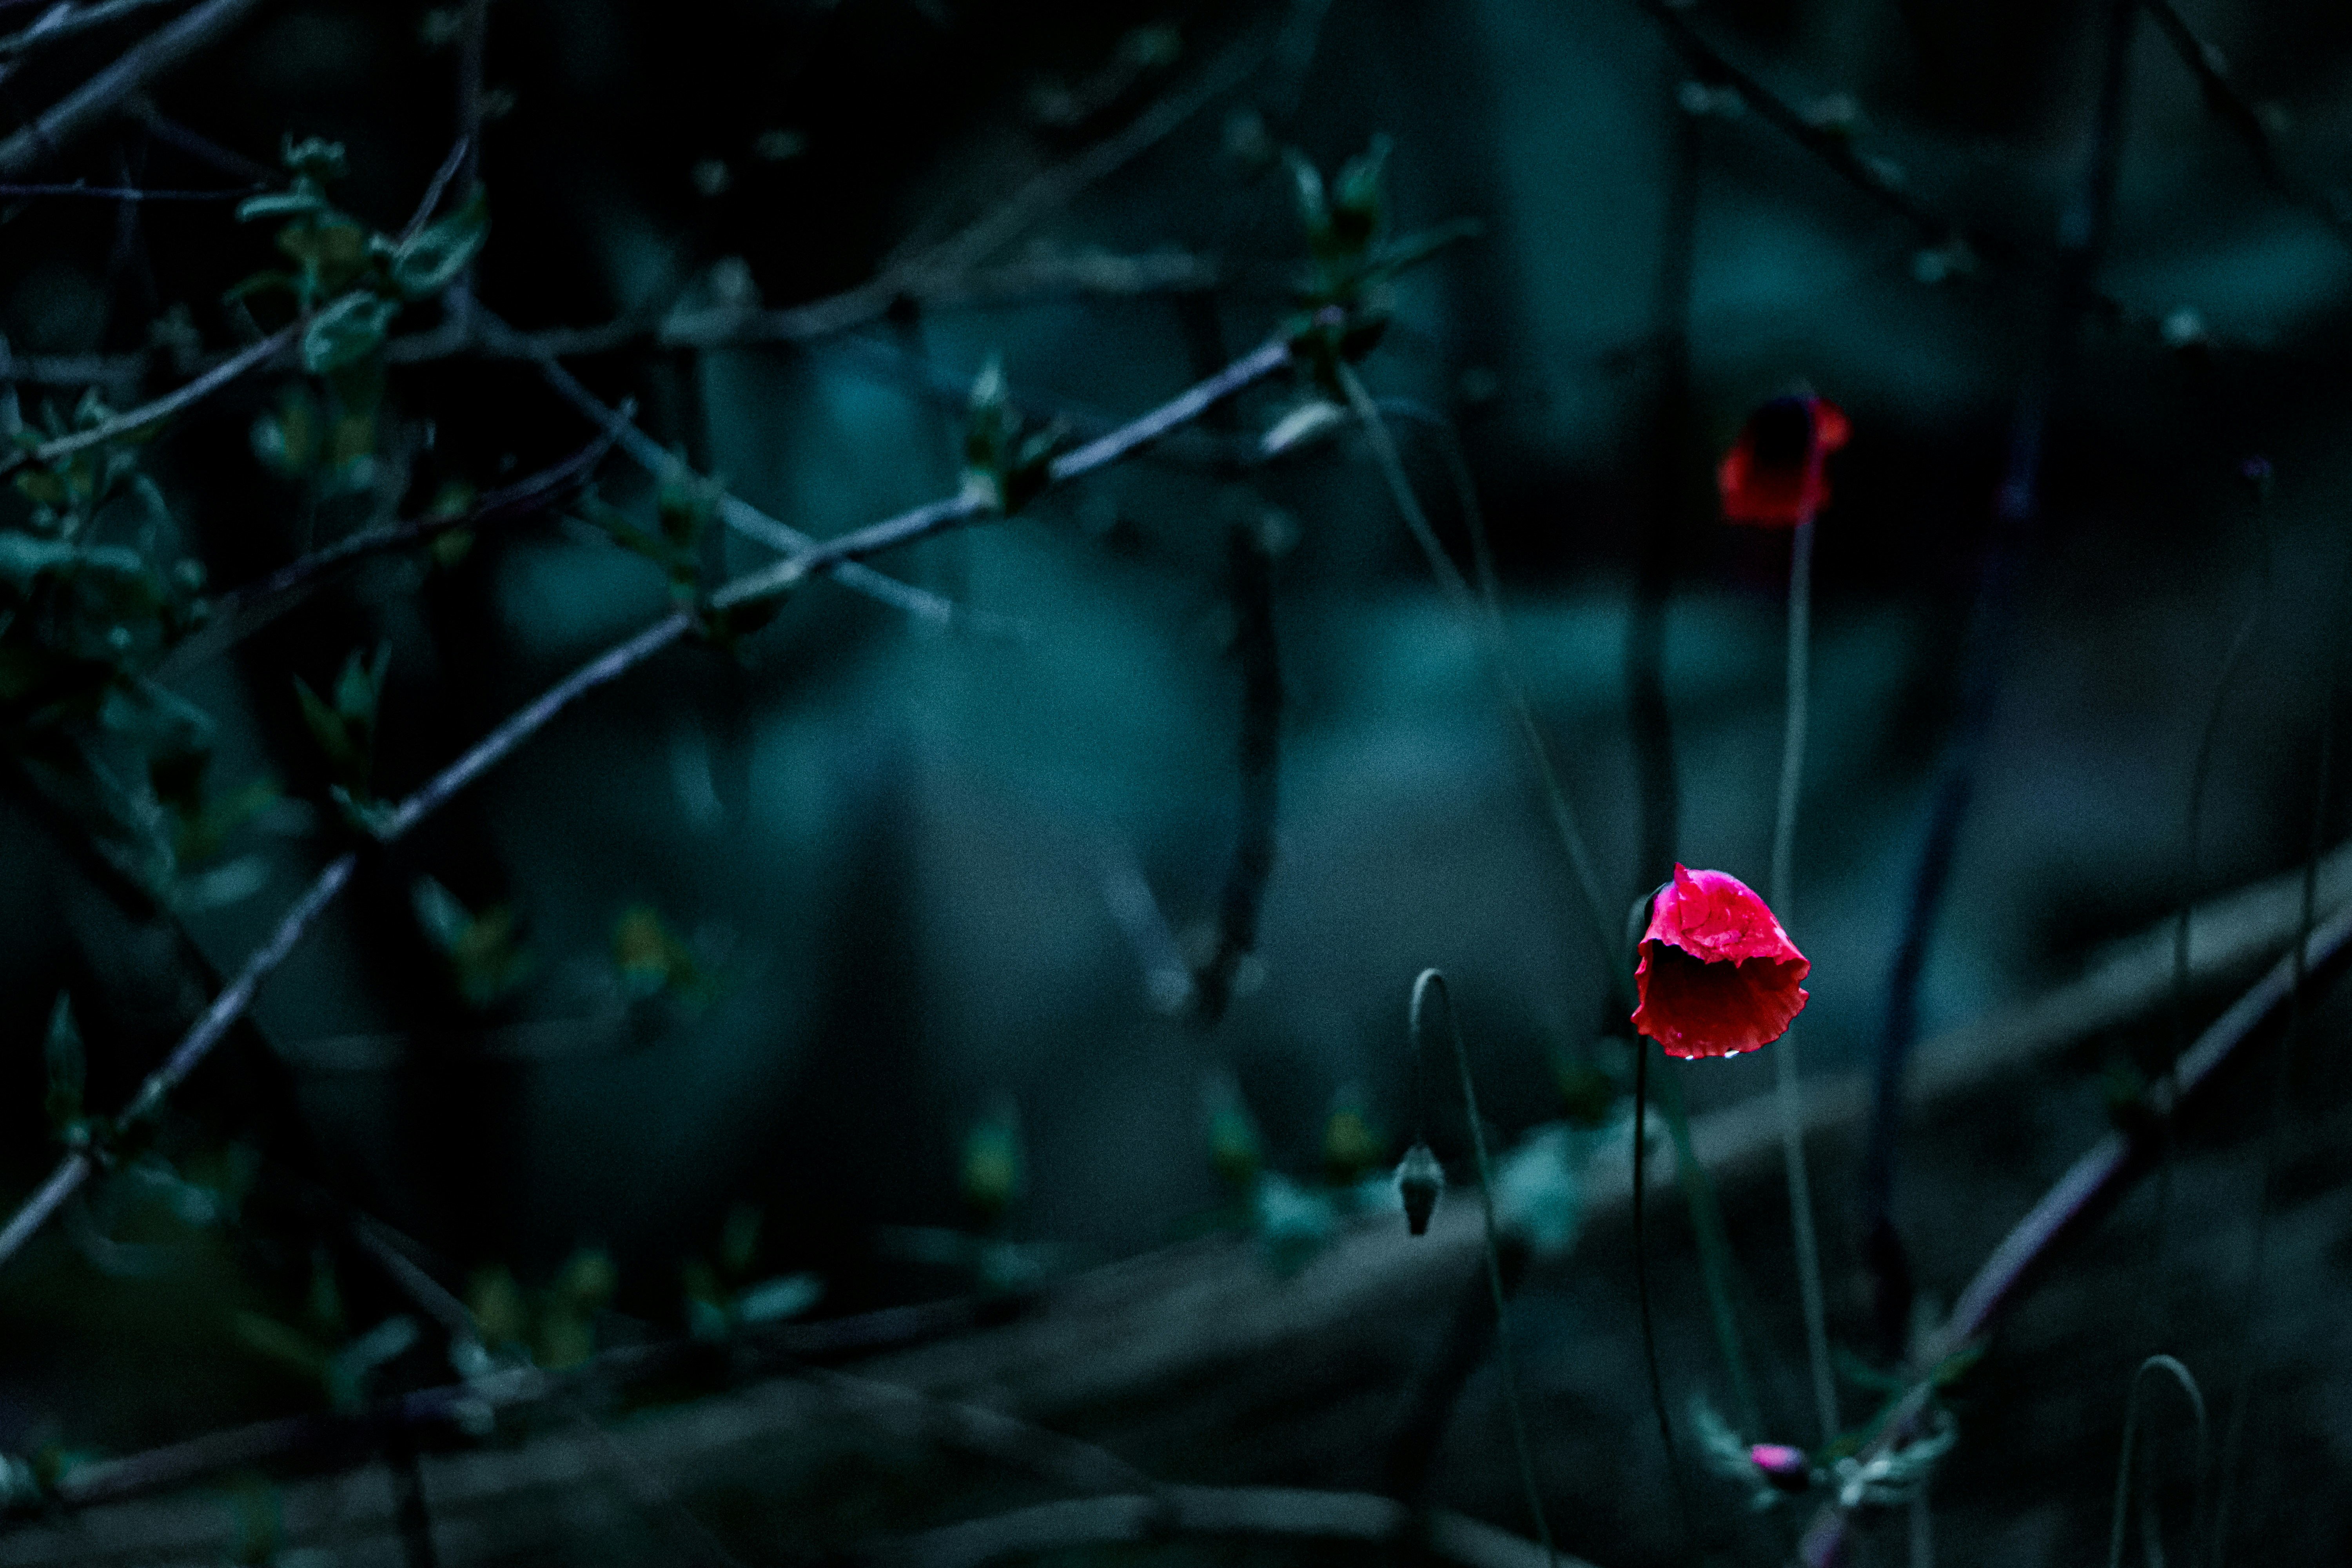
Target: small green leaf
<point x="993" y="1176"/>
<point x="431" y="260"/>
<point x="327" y="727"/>
<point x="315" y="158"/>
<point x="298" y="203"/>
<point x="1356" y="199"/>
<point x="772" y="1301"/>
<point x="445" y="920"/>
<point x="1314" y="209"/>
<point x="347" y="331"/>
<point x="738" y="1239"/>
<point x="651" y="961"/>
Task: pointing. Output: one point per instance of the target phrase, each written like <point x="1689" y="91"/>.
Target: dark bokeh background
<point x="887" y="850"/>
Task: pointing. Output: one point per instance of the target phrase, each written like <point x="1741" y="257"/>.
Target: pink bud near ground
<point x="1785" y="1467"/>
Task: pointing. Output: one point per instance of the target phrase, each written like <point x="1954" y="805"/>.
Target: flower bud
<point x="1787" y="1468"/>
<point x="1418" y="1179"/>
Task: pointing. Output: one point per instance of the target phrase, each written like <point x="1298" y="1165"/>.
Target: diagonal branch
<point x="89" y="105"/>
<point x="2090" y="1187"/>
<point x="733" y="509"/>
<point x="238" y="614"/>
<point x="1270" y="1513"/>
<point x="2231" y="106"/>
<point x="54" y="28"/>
<point x="1832" y="150"/>
<point x="163" y="408"/>
<point x="610" y="665"/>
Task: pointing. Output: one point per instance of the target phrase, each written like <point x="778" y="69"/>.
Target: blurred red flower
<point x="1718" y="975"/>
<point x="1775" y="474"/>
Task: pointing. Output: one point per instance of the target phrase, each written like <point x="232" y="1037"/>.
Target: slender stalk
<point x="1654" y="575"/>
<point x="2200" y="772"/>
<point x="1784" y="1053"/>
<point x="1431" y="980"/>
<point x="2083" y="234"/>
<point x="2187" y="1382"/>
<point x="2090" y="1187"/>
<point x="1642" y="1296"/>
<point x="1489" y="636"/>
<point x="2249" y="1313"/>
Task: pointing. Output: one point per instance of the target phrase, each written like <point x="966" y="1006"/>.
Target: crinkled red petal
<point x="1693" y="1007"/>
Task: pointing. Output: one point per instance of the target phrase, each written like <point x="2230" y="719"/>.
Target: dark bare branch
<point x="89" y="105"/>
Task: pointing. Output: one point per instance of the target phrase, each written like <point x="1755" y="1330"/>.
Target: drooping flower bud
<point x="1718" y="975"/>
<point x="1773" y="476"/>
<point x="1419" y="1181"/>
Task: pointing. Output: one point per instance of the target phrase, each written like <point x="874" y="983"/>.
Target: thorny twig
<point x="54" y="28"/>
<point x="76" y="1167"/>
<point x="1255" y="645"/>
<point x="2083" y="234"/>
<point x="2235" y="928"/>
<point x="733" y="510"/>
<point x="2090" y="1187"/>
<point x="237" y="613"/>
<point x="1277" y="1513"/>
<point x="163" y="408"/>
<point x="89" y="105"/>
<point x="2223" y="99"/>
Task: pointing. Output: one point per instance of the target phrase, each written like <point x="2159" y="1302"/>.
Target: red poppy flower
<point x="1775" y="473"/>
<point x="1718" y="975"/>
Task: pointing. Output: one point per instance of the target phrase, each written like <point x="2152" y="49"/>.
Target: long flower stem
<point x="1488" y="634"/>
<point x="1784" y="1055"/>
<point x="2242" y="1397"/>
<point x="2200" y="772"/>
<point x="1431" y="980"/>
<point x="1641" y="1294"/>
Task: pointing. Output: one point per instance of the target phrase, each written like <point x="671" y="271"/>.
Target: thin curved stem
<point x="2242" y="1397"/>
<point x="1784" y="1055"/>
<point x="1489" y="636"/>
<point x="2200" y="773"/>
<point x="2187" y="1382"/>
<point x="1431" y="980"/>
<point x="1642" y="1293"/>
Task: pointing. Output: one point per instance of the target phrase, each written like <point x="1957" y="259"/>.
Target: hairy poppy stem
<point x="1491" y="638"/>
<point x="1431" y="979"/>
<point x="2081" y="240"/>
<point x="2187" y="1382"/>
<point x="1641" y="1297"/>
<point x="2242" y="1397"/>
<point x="1784" y="1057"/>
<point x="2200" y="773"/>
<point x="1653" y="576"/>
